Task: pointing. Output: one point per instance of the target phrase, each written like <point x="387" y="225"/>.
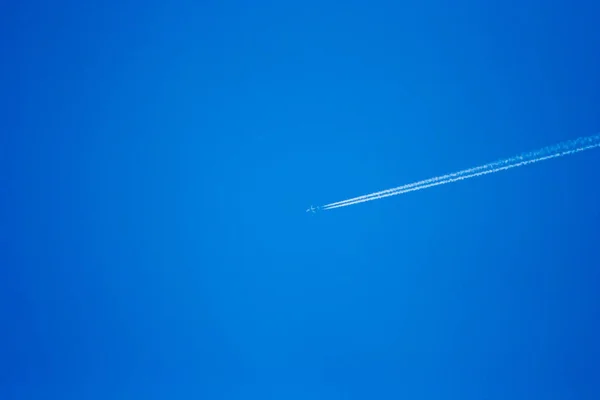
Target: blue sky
<point x="160" y="159"/>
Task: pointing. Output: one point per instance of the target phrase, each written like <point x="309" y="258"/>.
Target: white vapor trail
<point x="546" y="153"/>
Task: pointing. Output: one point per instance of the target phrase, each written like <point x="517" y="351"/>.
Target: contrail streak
<point x="546" y="153"/>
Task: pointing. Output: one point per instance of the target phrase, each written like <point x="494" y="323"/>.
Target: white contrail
<point x="559" y="150"/>
<point x="410" y="185"/>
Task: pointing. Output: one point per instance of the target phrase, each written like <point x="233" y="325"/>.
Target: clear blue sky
<point x="160" y="156"/>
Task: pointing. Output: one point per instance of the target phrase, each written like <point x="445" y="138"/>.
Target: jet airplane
<point x="312" y="209"/>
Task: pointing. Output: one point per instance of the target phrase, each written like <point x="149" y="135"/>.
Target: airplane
<point x="312" y="209"/>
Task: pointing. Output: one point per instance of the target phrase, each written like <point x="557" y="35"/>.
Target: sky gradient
<point x="159" y="159"/>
